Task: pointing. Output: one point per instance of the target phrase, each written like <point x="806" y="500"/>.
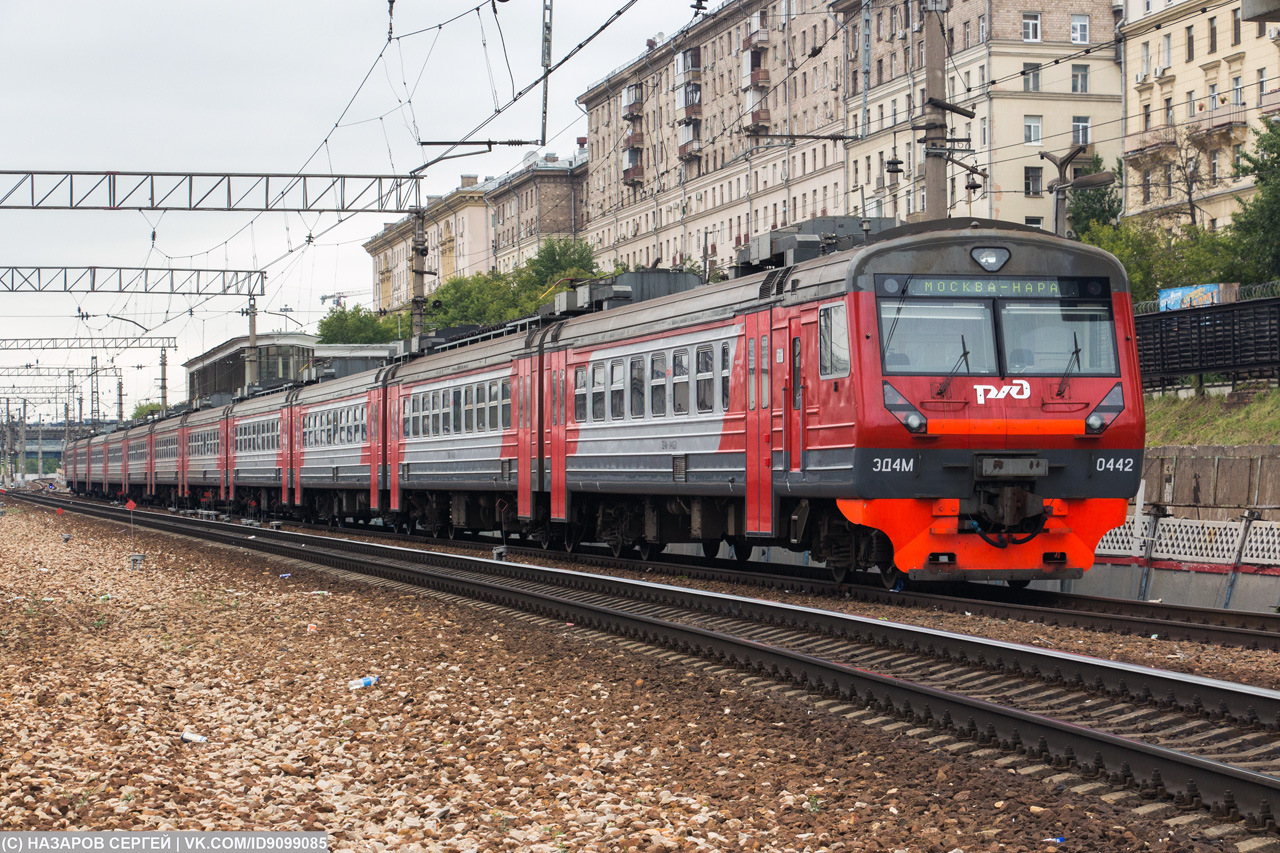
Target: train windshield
<point x="934" y="336"/>
<point x="1047" y="338"/>
<point x="1003" y="326"/>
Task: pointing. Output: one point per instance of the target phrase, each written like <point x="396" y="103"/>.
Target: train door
<point x="151" y="459"/>
<point x="759" y="429"/>
<point x="395" y="428"/>
<point x="559" y="433"/>
<point x="794" y="404"/>
<point x="526" y="440"/>
<point x="372" y="440"/>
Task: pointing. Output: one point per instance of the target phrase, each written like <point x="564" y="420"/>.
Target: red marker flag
<point x="59" y="510"/>
<point x="131" y="506"/>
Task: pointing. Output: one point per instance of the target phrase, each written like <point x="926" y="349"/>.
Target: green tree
<point x="1157" y="257"/>
<point x="141" y="410"/>
<point x="1257" y="223"/>
<point x="557" y="258"/>
<point x="483" y="299"/>
<point x="1085" y="208"/>
<point x="357" y="325"/>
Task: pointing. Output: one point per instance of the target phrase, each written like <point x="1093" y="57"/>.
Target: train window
<point x="481" y="407"/>
<point x="506" y="404"/>
<point x="580" y="394"/>
<point x="637" y="387"/>
<point x="706" y="378"/>
<point x="404" y="408"/>
<point x="797" y="385"/>
<point x="1045" y="338"/>
<point x="933" y="336"/>
<point x="597" y="392"/>
<point x="493" y="405"/>
<point x="457" y="411"/>
<point x="468" y="409"/>
<point x="415" y="420"/>
<point x="617" y="389"/>
<point x="658" y="385"/>
<point x="436" y="426"/>
<point x="724" y="377"/>
<point x="751" y="374"/>
<point x="765" y="358"/>
<point x="833" y="342"/>
<point x="555" y="398"/>
<point x="680" y="382"/>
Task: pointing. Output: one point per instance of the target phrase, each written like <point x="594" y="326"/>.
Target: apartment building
<point x="688" y="153"/>
<point x="544" y="198"/>
<point x="1039" y="77"/>
<point x="457" y="228"/>
<point x="1196" y="79"/>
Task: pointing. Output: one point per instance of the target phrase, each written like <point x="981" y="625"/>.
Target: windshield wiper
<point x="1073" y="361"/>
<point x="964" y="358"/>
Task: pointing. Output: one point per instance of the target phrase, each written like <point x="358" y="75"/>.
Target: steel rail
<point x="1229" y="792"/>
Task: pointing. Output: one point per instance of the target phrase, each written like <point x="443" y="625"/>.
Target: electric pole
<point x="934" y="122"/>
<point x="419" y="250"/>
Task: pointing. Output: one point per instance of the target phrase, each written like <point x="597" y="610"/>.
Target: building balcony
<point x="1147" y="141"/>
<point x="690" y="150"/>
<point x="1269" y="102"/>
<point x="633" y="176"/>
<point x="688" y="113"/>
<point x="756" y="40"/>
<point x="633" y="140"/>
<point x="1228" y="116"/>
<point x="689" y="75"/>
<point x="758" y="122"/>
<point x="755" y="77"/>
<point x="633" y="110"/>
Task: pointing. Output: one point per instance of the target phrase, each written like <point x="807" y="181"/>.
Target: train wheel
<point x="1018" y="583"/>
<point x="572" y="539"/>
<point x="710" y="548"/>
<point x="451" y="531"/>
<point x="838" y="572"/>
<point x="893" y="578"/>
<point x="742" y="550"/>
<point x="619" y="548"/>
<point x="650" y="550"/>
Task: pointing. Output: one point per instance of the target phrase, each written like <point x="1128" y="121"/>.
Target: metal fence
<point x="1186" y="540"/>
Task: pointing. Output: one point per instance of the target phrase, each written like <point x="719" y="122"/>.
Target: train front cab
<point x="1001" y="426"/>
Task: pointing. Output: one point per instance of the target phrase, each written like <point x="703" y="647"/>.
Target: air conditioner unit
<point x="902" y="35"/>
<point x="1159" y="72"/>
<point x="1273" y="32"/>
<point x="917" y="27"/>
<point x="1139" y="77"/>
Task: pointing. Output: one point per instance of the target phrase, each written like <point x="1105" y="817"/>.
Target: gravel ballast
<point x="484" y="732"/>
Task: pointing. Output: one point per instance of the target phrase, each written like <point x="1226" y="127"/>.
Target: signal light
<point x="906" y="413"/>
<point x="1106" y="411"/>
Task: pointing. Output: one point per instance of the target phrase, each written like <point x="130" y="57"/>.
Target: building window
<point x="982" y="131"/>
<point x="1168" y="180"/>
<point x="1191" y="43"/>
<point x="1079" y="29"/>
<point x="1146" y="116"/>
<point x="1213" y="167"/>
<point x="1030" y="77"/>
<point x="1213" y="35"/>
<point x="1235" y="25"/>
<point x="1033" y="180"/>
<point x="982" y="28"/>
<point x="1146" y="187"/>
<point x="1168" y="111"/>
<point x="1237" y="91"/>
<point x="1080" y="79"/>
<point x="1035" y="221"/>
<point x="1080" y="130"/>
<point x="1191" y="104"/>
<point x="1031" y="26"/>
<point x="1031" y="130"/>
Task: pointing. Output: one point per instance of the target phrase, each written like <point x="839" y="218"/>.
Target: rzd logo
<point x="1019" y="390"/>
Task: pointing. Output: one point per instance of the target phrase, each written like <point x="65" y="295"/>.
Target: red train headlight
<point x="906" y="413"/>
<point x="1106" y="411"/>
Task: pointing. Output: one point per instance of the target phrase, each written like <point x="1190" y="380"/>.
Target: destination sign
<point x="992" y="286"/>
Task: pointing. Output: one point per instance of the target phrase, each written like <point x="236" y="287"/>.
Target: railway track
<point x="1197" y="742"/>
<point x="1238" y="628"/>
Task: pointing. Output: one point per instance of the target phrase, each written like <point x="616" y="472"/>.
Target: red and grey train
<point x="951" y="399"/>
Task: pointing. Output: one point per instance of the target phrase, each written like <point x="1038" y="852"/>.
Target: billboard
<point x="1195" y="296"/>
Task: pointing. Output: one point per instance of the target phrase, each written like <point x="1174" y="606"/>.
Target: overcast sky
<point x="251" y="86"/>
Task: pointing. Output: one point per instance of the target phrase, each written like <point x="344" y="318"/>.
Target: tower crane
<point x="339" y="299"/>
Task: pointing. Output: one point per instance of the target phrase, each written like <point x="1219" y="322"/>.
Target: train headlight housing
<point x="906" y="413"/>
<point x="990" y="258"/>
<point x="1105" y="412"/>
